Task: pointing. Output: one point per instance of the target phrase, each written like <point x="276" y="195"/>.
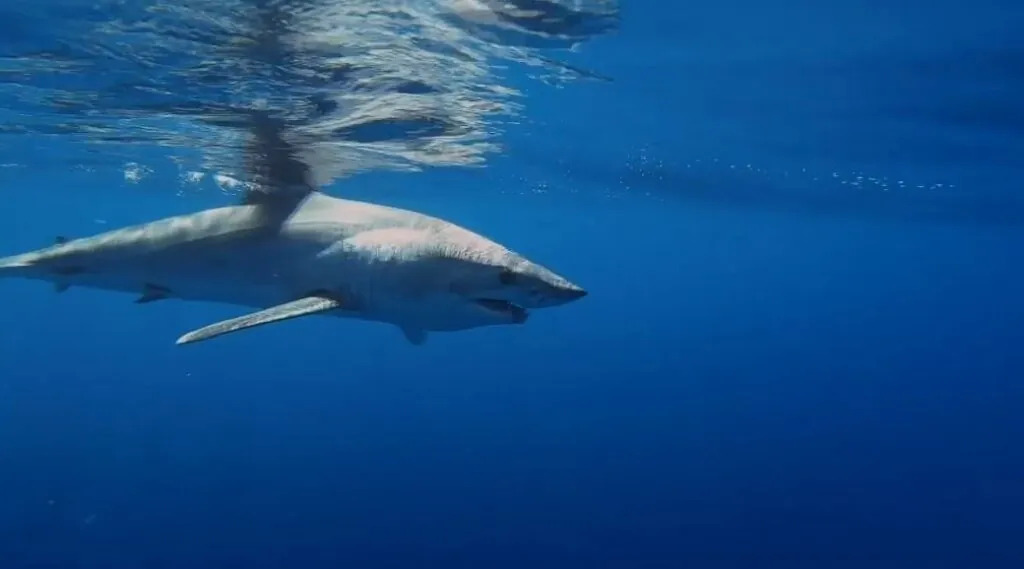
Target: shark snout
<point x="563" y="294"/>
<point x="553" y="290"/>
<point x="569" y="294"/>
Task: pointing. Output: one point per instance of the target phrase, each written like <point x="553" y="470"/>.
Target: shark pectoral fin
<point x="302" y="307"/>
<point x="415" y="336"/>
<point x="152" y="292"/>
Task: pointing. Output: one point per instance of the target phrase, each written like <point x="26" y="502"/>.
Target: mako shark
<point x="290" y="250"/>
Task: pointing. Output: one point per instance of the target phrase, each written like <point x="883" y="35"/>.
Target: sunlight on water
<point x="364" y="84"/>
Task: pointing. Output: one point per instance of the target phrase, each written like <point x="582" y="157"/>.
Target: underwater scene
<point x="524" y="284"/>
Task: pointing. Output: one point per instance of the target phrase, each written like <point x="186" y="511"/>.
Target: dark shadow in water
<point x="955" y="117"/>
<point x="719" y="185"/>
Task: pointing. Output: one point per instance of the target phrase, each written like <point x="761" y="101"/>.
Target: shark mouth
<point x="504" y="308"/>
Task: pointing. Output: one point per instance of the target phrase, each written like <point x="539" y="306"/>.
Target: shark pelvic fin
<point x="151" y="292"/>
<point x="313" y="304"/>
<point x="415" y="336"/>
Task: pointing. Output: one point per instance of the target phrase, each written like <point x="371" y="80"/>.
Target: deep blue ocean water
<point x="801" y="229"/>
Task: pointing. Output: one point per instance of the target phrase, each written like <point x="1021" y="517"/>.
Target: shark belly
<point x="245" y="273"/>
<point x="225" y="256"/>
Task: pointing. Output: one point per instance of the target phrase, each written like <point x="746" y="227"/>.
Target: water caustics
<point x="364" y="84"/>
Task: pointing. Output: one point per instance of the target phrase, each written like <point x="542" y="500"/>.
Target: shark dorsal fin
<point x="280" y="178"/>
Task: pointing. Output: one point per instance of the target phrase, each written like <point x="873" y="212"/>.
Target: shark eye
<point x="507" y="277"/>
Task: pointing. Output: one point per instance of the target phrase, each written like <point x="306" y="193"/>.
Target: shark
<point x="289" y="250"/>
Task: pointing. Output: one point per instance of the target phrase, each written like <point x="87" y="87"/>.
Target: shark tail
<point x="25" y="267"/>
<point x="16" y="266"/>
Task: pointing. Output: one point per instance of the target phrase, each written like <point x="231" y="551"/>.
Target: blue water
<point x="800" y="225"/>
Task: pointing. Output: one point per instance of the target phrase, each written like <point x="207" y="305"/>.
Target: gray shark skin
<point x="291" y="251"/>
